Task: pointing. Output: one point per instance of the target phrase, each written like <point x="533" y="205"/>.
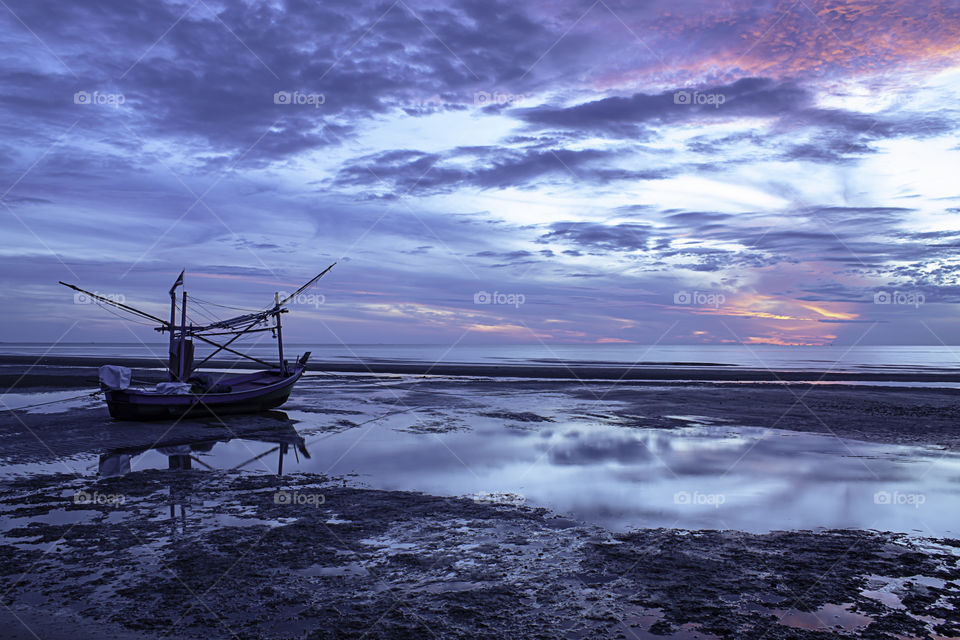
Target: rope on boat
<point x="124" y="318"/>
<point x="41" y="404"/>
<point x="195" y="299"/>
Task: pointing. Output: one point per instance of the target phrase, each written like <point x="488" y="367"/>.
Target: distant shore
<point x="58" y="370"/>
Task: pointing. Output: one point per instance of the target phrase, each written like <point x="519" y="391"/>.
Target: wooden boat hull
<point x="250" y="393"/>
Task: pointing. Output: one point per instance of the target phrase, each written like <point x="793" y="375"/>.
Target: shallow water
<point x="699" y="476"/>
<point x="507" y="444"/>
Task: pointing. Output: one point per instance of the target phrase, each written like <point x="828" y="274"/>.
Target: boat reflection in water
<point x="181" y="452"/>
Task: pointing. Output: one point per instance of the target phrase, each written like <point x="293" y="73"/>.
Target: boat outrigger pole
<point x="120" y="305"/>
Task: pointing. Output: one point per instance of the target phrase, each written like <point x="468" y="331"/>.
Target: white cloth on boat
<point x="115" y="377"/>
<point x="173" y="388"/>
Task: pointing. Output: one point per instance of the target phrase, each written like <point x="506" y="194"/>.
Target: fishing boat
<point x="188" y="392"/>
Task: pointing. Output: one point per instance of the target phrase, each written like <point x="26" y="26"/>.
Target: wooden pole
<point x="183" y="334"/>
<point x="119" y="305"/>
<point x="283" y="363"/>
<point x="173" y="335"/>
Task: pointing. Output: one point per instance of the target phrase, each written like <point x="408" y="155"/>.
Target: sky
<point x="558" y="171"/>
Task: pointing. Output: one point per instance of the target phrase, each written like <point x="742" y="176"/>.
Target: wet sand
<point x="209" y="554"/>
<point x="213" y="553"/>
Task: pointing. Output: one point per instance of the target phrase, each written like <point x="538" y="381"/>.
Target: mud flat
<point x="212" y="554"/>
<point x="186" y="553"/>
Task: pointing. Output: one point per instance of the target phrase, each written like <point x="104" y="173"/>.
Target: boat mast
<point x="183" y="336"/>
<point x="283" y="363"/>
<point x="173" y="319"/>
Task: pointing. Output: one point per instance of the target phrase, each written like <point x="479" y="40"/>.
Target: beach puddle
<point x="647" y="624"/>
<point x="698" y="476"/>
<point x="829" y="617"/>
<point x="891" y="593"/>
<point x="604" y="468"/>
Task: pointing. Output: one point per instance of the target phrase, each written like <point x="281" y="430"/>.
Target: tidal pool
<point x="700" y="476"/>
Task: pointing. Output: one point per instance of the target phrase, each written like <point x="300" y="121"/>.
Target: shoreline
<point x="692" y="372"/>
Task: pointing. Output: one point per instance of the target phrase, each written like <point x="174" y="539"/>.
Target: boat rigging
<point x="189" y="392"/>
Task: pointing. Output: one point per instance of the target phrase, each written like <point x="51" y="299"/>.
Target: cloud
<point x="788" y="105"/>
<point x="410" y="172"/>
<point x="205" y="76"/>
<point x="585" y="170"/>
<point x="599" y="237"/>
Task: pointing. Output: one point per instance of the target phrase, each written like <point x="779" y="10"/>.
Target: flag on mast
<point x="177" y="283"/>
